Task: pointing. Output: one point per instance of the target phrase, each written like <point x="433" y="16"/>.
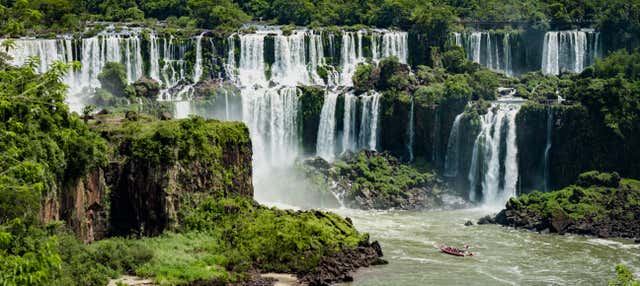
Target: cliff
<point x="156" y="167"/>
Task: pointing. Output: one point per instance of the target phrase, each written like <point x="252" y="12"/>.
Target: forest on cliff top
<point x="434" y="17"/>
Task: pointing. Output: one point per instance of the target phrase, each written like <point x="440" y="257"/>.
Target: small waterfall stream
<point x="410" y="132"/>
<point x="452" y="160"/>
<point x="547" y="149"/>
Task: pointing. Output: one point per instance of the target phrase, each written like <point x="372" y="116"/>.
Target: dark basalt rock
<point x="597" y="209"/>
<point x="338" y="267"/>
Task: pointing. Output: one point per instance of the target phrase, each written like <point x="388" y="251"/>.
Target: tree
<point x="222" y="14"/>
<point x="113" y="78"/>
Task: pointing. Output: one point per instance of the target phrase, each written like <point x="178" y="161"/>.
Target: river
<point x="503" y="256"/>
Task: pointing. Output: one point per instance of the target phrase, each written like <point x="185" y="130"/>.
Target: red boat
<point x="453" y="251"/>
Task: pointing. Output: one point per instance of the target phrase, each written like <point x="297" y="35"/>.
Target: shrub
<point x="595" y="178"/>
<point x="113" y="78"/>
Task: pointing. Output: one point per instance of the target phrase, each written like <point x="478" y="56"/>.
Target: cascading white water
<point x="349" y="138"/>
<point x="568" y="51"/>
<point x="316" y="59"/>
<point x="485" y="48"/>
<point x="389" y="43"/>
<point x="506" y="47"/>
<point x="290" y="66"/>
<point x="270" y="112"/>
<point x="368" y="137"/>
<point x="351" y="56"/>
<point x="325" y="146"/>
<point x="550" y="54"/>
<point x="497" y="186"/>
<point x="547" y="149"/>
<point x="451" y="160"/>
<point x="197" y="66"/>
<point x="154" y="57"/>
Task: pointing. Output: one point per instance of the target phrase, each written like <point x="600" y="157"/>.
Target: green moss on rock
<point x="601" y="204"/>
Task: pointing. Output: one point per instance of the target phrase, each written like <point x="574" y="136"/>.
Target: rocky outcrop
<point x="163" y="167"/>
<point x="338" y="267"/>
<point x="371" y="180"/>
<point x="607" y="207"/>
<point x="146" y="87"/>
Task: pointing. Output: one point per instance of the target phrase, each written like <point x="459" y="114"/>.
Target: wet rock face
<point x="155" y="174"/>
<point x="83" y="205"/>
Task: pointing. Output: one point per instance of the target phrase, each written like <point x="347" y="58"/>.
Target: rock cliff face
<point x="167" y="164"/>
<point x="83" y="205"/>
<point x="580" y="142"/>
<point x="156" y="167"/>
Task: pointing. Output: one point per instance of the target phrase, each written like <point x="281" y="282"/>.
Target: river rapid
<point x="503" y="256"/>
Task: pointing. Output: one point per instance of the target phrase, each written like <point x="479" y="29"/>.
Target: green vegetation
<point x="41" y="144"/>
<point x="624" y="277"/>
<point x="379" y="173"/>
<point x="434" y="20"/>
<point x="610" y="89"/>
<point x="113" y="78"/>
<point x="599" y="199"/>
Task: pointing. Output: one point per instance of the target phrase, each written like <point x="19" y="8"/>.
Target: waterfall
<point x="325" y="147"/>
<point x="351" y="56"/>
<point x="485" y="49"/>
<point x="410" y="133"/>
<point x="498" y="128"/>
<point x="349" y="139"/>
<point x="268" y="93"/>
<point x="271" y="115"/>
<point x="270" y="112"/>
<point x="290" y="66"/>
<point x="368" y="137"/>
<point x="316" y="58"/>
<point x="475" y="46"/>
<point x="457" y="39"/>
<point x="395" y="44"/>
<point x="230" y="65"/>
<point x="452" y="160"/>
<point x="182" y="109"/>
<point x="547" y="148"/>
<point x="550" y="54"/>
<point x="154" y="57"/>
<point x="197" y="67"/>
<point x="568" y="51"/>
<point x="506" y="47"/>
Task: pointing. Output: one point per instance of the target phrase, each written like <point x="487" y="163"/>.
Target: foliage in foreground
<point x="42" y="145"/>
<point x="624" y="277"/>
<point x="221" y="240"/>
